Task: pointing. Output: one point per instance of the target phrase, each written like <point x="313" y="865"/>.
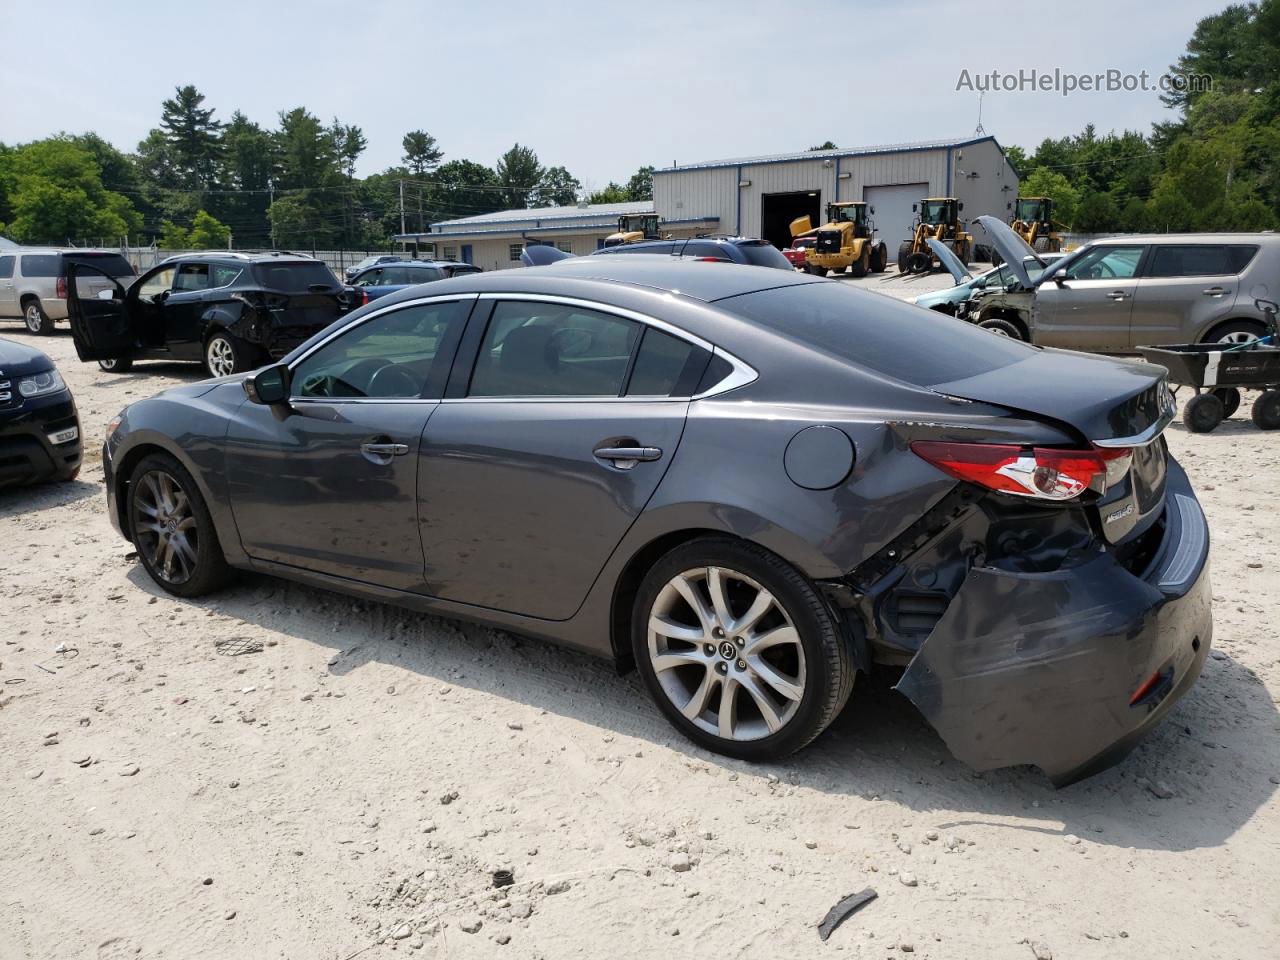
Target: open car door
<point x="100" y="326"/>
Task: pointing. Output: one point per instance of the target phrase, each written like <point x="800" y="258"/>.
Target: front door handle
<point x="380" y="452"/>
<point x="1117" y="295"/>
<point x="624" y="458"/>
<point x="1214" y="292"/>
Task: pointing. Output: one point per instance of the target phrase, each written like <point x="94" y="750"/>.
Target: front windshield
<point x="934" y="211"/>
<point x="850" y="214"/>
<point x="1028" y="210"/>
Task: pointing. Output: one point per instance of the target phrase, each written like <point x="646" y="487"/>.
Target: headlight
<point x="37" y="386"/>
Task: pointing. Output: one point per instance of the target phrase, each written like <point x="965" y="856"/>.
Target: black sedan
<point x="39" y="426"/>
<point x="749" y="484"/>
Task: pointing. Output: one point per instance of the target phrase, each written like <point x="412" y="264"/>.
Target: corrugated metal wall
<point x="994" y="187"/>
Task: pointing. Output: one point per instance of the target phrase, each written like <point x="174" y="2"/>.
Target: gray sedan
<point x="749" y="484"/>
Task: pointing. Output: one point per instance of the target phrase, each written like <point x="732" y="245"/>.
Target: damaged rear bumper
<point x="1067" y="670"/>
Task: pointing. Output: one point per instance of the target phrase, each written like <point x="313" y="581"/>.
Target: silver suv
<point x="1114" y="295"/>
<point x="33" y="282"/>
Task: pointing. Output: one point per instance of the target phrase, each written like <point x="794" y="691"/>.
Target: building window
<point x="514" y="251"/>
<point x="451" y="253"/>
<point x="564" y="246"/>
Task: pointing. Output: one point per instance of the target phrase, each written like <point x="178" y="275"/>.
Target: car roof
<point x="274" y="256"/>
<point x="1178" y="238"/>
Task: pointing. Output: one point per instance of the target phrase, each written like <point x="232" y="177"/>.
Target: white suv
<point x="33" y="282"/>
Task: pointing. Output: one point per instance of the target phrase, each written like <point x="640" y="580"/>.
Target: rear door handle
<point x="1214" y="292"/>
<point x="1117" y="295"/>
<point x="624" y="458"/>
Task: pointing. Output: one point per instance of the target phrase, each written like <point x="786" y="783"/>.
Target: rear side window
<point x="761" y="253"/>
<point x="411" y="274"/>
<point x="41" y="265"/>
<point x="547" y="350"/>
<point x="6" y="268"/>
<point x="1200" y="260"/>
<point x="896" y="339"/>
<point x="294" y="277"/>
<point x="663" y="248"/>
<point x="223" y="275"/>
<point x="660" y="364"/>
<point x="700" y="248"/>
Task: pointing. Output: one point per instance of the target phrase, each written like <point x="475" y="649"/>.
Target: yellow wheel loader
<point x="634" y="227"/>
<point x="847" y="239"/>
<point x="937" y="218"/>
<point x="1033" y="222"/>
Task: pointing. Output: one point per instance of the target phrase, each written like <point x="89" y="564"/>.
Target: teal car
<point x="967" y="286"/>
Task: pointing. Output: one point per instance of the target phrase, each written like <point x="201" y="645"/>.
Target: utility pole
<point x="402" y="206"/>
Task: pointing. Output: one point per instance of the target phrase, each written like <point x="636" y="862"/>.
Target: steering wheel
<point x="393" y="380"/>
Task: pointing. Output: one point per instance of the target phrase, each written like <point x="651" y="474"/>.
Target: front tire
<point x="815" y="270"/>
<point x="862" y="265"/>
<point x="117" y="365"/>
<point x="1203" y="413"/>
<point x="905" y="250"/>
<point x="1266" y="410"/>
<point x="172" y="529"/>
<point x="225" y="355"/>
<point x="739" y="650"/>
<point x="879" y="258"/>
<point x="1002" y="328"/>
<point x="36" y="319"/>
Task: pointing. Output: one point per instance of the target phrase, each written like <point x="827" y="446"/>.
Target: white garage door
<point x="893" y="217"/>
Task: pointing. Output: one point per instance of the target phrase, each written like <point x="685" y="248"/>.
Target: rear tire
<point x="117" y="365"/>
<point x="1202" y="413"/>
<point x="1230" y="398"/>
<point x="225" y="355"/>
<point x="1236" y="332"/>
<point x="1266" y="410"/>
<point x="1002" y="328"/>
<point x="816" y="270"/>
<point x="879" y="258"/>
<point x="166" y="513"/>
<point x="1042" y="245"/>
<point x="36" y="319"/>
<point x="785" y="693"/>
<point x="904" y="255"/>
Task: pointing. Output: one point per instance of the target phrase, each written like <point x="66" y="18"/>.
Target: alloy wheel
<point x="726" y="653"/>
<point x="33" y="317"/>
<point x="1238" y="336"/>
<point x="165" y="529"/>
<point x="220" y="357"/>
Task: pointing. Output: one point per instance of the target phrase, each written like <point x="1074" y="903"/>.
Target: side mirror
<point x="872" y="210"/>
<point x="915" y="208"/>
<point x="268" y="386"/>
<point x="960" y="206"/>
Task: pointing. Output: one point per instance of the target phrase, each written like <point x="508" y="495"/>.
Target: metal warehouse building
<point x="493" y="241"/>
<point x="760" y="196"/>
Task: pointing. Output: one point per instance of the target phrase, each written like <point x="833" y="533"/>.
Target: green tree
<point x="520" y="173"/>
<point x="193" y="138"/>
<point x="248" y="168"/>
<point x="465" y="188"/>
<point x="612" y="193"/>
<point x="640" y="186"/>
<point x="557" y="188"/>
<point x="172" y="236"/>
<point x="421" y="155"/>
<point x="310" y="173"/>
<point x="824" y="145"/>
<point x="54" y="194"/>
<point x="208" y="233"/>
<point x="1049" y="183"/>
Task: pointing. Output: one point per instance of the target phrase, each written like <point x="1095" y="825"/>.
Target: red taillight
<point x="60" y="288"/>
<point x="1041" y="472"/>
<point x="713" y="260"/>
<point x="1146" y="688"/>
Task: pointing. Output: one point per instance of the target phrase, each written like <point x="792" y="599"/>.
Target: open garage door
<point x="893" y="217"/>
<point x="777" y="210"/>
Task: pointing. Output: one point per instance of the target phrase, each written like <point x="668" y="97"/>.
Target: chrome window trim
<point x="740" y="375"/>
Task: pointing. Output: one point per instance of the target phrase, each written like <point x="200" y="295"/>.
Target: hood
<point x="1103" y="400"/>
<point x="959" y="272"/>
<point x="1012" y="247"/>
<point x="19" y="360"/>
<point x="541" y="254"/>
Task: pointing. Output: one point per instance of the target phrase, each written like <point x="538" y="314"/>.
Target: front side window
<point x="1106" y="263"/>
<point x="158" y="282"/>
<point x="552" y="350"/>
<point x="390" y="356"/>
<point x="1199" y="260"/>
<point x="370" y="278"/>
<point x="192" y="276"/>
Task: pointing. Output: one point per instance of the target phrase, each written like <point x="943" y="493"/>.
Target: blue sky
<point x="598" y="87"/>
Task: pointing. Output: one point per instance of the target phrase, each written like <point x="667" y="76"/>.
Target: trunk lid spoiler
<point x="1111" y="403"/>
<point x="959" y="272"/>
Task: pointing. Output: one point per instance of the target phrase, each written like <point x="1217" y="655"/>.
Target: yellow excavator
<point x="937" y="218"/>
<point x="634" y="227"/>
<point x="847" y="239"/>
<point x="1033" y="222"/>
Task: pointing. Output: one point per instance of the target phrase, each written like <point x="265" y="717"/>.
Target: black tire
<point x="208" y="571"/>
<point x="1235" y="332"/>
<point x="1002" y="328"/>
<point x="996" y="259"/>
<point x="36" y="320"/>
<point x="861" y="266"/>
<point x="118" y="365"/>
<point x="1202" y="413"/>
<point x="816" y="270"/>
<point x="1230" y="398"/>
<point x="904" y="255"/>
<point x="828" y="662"/>
<point x="919" y="263"/>
<point x="222" y="348"/>
<point x="879" y="258"/>
<point x="1042" y="245"/>
<point x="1266" y="410"/>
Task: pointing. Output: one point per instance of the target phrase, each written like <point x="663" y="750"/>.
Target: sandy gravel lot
<point x="282" y="772"/>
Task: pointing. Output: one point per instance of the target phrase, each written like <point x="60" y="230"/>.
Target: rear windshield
<point x="294" y="276"/>
<point x="908" y="343"/>
<point x="51" y="264"/>
<point x="764" y="254"/>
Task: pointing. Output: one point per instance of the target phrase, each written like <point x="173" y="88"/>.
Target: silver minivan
<point x="33" y="282"/>
<point x="1117" y="294"/>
